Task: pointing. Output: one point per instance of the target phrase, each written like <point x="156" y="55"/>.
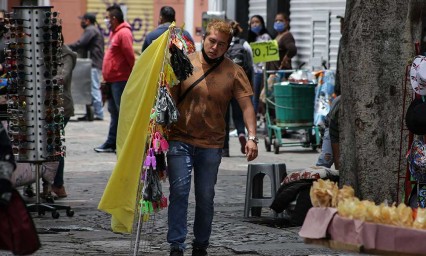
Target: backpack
<point x="239" y="55"/>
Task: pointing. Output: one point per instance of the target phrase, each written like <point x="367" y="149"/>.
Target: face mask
<point x="279" y="26"/>
<point x="107" y="23"/>
<point x="209" y="60"/>
<point x="257" y="29"/>
<point x="83" y="25"/>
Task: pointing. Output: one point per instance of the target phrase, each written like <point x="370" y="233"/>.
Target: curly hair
<point x="220" y="26"/>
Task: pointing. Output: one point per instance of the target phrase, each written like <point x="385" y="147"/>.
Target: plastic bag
<point x="167" y="112"/>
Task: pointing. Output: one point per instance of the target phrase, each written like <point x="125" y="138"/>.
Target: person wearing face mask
<point x="286" y="44"/>
<point x="91" y="45"/>
<point x="196" y="140"/>
<point x="257" y="33"/>
<point x="117" y="65"/>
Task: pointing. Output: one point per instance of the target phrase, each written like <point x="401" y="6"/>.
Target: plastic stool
<point x="255" y="199"/>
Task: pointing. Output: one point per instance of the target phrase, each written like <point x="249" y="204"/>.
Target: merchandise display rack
<point x="150" y="198"/>
<point x="34" y="98"/>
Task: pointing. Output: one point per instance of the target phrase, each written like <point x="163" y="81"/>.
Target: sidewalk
<point x="88" y="232"/>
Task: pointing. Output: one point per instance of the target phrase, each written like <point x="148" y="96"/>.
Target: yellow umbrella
<point x="119" y="198"/>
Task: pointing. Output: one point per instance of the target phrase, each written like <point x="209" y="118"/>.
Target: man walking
<point x="91" y="43"/>
<point x="117" y="66"/>
<point x="196" y="140"/>
<point x="167" y="16"/>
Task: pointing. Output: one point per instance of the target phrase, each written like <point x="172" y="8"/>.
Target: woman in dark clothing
<point x="69" y="59"/>
<point x="286" y="43"/>
<point x="257" y="33"/>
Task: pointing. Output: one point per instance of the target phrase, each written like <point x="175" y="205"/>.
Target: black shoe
<point x="175" y="252"/>
<point x="105" y="148"/>
<point x="199" y="251"/>
<point x="84" y="118"/>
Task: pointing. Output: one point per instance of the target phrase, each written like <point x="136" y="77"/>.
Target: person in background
<point x="69" y="59"/>
<point x="257" y="33"/>
<point x="117" y="65"/>
<point x="167" y="16"/>
<point x="196" y="140"/>
<point x="7" y="166"/>
<point x="286" y="44"/>
<point x="237" y="115"/>
<point x="91" y="43"/>
<point x="330" y="150"/>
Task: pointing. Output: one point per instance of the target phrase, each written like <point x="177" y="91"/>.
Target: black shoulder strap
<point x="182" y="97"/>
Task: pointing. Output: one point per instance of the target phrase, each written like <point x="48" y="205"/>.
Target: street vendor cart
<point x="290" y="107"/>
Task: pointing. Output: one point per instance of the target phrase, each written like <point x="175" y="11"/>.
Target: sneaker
<point x="225" y="152"/>
<point x="175" y="252"/>
<point x="59" y="191"/>
<point x="105" y="148"/>
<point x="199" y="251"/>
<point x="243" y="142"/>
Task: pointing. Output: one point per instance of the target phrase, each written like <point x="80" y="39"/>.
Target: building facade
<point x="314" y="23"/>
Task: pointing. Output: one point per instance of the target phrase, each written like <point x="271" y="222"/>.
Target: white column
<point x="189" y="17"/>
<point x="3" y="5"/>
<point x="215" y="5"/>
<point x="43" y="3"/>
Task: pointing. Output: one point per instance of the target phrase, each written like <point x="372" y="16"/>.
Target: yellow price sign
<point x="265" y="51"/>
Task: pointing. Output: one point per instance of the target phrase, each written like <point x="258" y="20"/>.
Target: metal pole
<point x="37" y="170"/>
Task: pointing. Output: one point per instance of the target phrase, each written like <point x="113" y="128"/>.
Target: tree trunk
<point x="377" y="43"/>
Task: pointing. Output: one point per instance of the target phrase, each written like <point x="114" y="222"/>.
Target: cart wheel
<point x="70" y="213"/>
<point x="55" y="214"/>
<point x="276" y="147"/>
<point x="267" y="144"/>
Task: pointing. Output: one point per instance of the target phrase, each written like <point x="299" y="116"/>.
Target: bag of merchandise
<point x="416" y="158"/>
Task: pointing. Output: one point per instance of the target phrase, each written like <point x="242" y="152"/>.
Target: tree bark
<point x="376" y="44"/>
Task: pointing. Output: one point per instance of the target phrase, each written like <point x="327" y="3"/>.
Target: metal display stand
<point x="35" y="112"/>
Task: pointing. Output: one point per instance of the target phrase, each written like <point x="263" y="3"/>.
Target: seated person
<point x="330" y="152"/>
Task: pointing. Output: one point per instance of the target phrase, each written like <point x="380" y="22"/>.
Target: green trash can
<point x="294" y="104"/>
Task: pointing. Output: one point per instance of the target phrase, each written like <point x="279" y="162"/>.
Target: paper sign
<point x="265" y="51"/>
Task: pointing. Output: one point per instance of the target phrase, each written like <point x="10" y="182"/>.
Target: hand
<point x="251" y="150"/>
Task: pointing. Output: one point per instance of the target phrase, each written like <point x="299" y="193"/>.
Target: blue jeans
<point x="257" y="88"/>
<point x="96" y="93"/>
<point x="181" y="159"/>
<point x="117" y="89"/>
<point x="326" y="157"/>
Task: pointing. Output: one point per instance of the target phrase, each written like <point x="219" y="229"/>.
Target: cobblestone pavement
<point x="88" y="231"/>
